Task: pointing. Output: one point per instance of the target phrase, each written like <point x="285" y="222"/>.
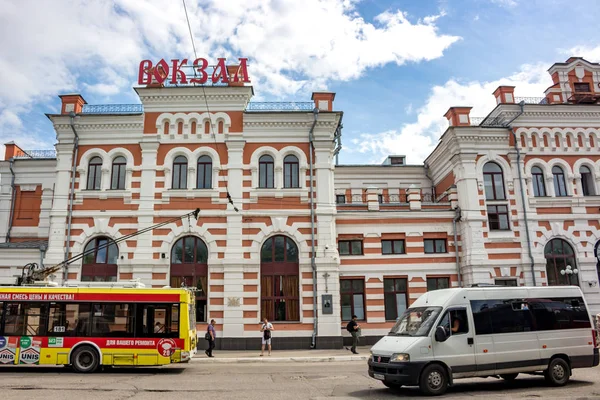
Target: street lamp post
<point x="569" y="271"/>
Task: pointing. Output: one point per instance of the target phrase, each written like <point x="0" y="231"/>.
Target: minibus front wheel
<point x="434" y="380"/>
<point x="558" y="372"/>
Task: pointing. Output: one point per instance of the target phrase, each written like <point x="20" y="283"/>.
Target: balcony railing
<point x="252" y="106"/>
<point x="112" y="109"/>
<point x="36" y="154"/>
<point x="531" y="100"/>
<point x="475" y="121"/>
<point x="281" y="106"/>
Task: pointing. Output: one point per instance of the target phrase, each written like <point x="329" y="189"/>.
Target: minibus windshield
<point x="416" y="321"/>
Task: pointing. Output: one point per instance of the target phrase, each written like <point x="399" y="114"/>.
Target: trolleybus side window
<point x="158" y="320"/>
<point x="113" y="320"/>
<point x="14" y="319"/>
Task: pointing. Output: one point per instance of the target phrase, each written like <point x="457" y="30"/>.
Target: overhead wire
<point x="212" y="129"/>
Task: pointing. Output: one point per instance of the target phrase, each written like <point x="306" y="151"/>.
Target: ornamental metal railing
<point x="252" y="106"/>
<point x="36" y="154"/>
<point x="531" y="100"/>
<point x="475" y="121"/>
<point x="112" y="109"/>
<point x="280" y="106"/>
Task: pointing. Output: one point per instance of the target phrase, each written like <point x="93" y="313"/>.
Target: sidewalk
<point x="281" y="356"/>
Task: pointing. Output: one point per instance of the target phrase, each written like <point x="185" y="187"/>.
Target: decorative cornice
<point x="171" y="98"/>
<point x="104" y="126"/>
<point x="288" y="124"/>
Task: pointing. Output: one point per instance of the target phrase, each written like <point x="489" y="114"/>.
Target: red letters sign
<point x="160" y="72"/>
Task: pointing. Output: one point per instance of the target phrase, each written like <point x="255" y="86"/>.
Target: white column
<point x="233" y="264"/>
<point x="60" y="207"/>
<point x="143" y="252"/>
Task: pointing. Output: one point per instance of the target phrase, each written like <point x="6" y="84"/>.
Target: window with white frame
<point x="539" y="187"/>
<point x="117" y="179"/>
<point x="560" y="184"/>
<point x="180" y="173"/>
<point x="94" y="177"/>
<point x="587" y="181"/>
<point x="266" y="172"/>
<point x="204" y="173"/>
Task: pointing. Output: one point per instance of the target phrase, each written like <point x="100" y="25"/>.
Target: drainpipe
<point x="516" y="145"/>
<point x="312" y="228"/>
<point x="12" y="198"/>
<point x="456" y="218"/>
<point x="428" y="175"/>
<point x="71" y="197"/>
<point x="338" y="138"/>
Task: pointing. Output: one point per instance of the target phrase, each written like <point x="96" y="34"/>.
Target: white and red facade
<point x="383" y="234"/>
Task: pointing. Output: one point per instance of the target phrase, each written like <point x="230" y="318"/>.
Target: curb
<point x="249" y="360"/>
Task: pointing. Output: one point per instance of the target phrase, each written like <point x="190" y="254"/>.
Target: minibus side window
<point x="455" y="322"/>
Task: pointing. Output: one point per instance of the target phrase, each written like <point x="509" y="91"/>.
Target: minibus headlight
<point x="400" y="357"/>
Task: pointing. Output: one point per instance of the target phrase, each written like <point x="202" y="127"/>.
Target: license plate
<point x="379" y="376"/>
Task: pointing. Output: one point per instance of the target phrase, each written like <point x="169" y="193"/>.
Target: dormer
<point x="576" y="81"/>
<point x="395" y="160"/>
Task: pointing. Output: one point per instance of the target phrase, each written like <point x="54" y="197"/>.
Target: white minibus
<point x="487" y="331"/>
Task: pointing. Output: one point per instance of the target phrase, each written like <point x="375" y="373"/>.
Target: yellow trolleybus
<point x="86" y="327"/>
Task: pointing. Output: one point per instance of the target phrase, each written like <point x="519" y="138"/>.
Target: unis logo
<point x="7" y="356"/>
<point x="29" y="356"/>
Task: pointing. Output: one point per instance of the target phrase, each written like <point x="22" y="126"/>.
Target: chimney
<point x="458" y="116"/>
<point x="12" y="150"/>
<point x="323" y="100"/>
<point x="232" y="71"/>
<point x="72" y="102"/>
<point x="505" y="95"/>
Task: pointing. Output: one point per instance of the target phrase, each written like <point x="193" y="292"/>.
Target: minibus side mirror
<point x="440" y="334"/>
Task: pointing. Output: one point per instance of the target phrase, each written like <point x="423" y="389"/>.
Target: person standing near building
<point x="266" y="330"/>
<point x="210" y="337"/>
<point x="354" y="330"/>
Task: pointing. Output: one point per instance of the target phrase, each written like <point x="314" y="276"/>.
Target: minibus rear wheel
<point x="558" y="372"/>
<point x="434" y="380"/>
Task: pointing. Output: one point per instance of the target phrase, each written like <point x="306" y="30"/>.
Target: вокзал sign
<point x="160" y="72"/>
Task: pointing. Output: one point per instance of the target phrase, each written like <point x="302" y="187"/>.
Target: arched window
<point x="265" y="172"/>
<point x="291" y="172"/>
<point x="166" y="128"/>
<point x="193" y="127"/>
<point x="279" y="279"/>
<point x="220" y="127"/>
<point x="204" y="177"/>
<point x="100" y="260"/>
<point x="117" y="178"/>
<point x="560" y="186"/>
<point x="207" y="126"/>
<point x="559" y="254"/>
<point x="180" y="173"/>
<point x="539" y="187"/>
<point x="94" y="178"/>
<point x="179" y="128"/>
<point x="189" y="268"/>
<point x="587" y="181"/>
<point x="493" y="180"/>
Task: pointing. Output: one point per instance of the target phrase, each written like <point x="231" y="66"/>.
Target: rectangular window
<point x="156" y="320"/>
<point x="340" y="199"/>
<point x="455" y="322"/>
<point x="435" y="246"/>
<point x="350" y="247"/>
<point x="506" y="282"/>
<point x="392" y="247"/>
<point x="438" y="283"/>
<point x="380" y="198"/>
<point x="113" y="320"/>
<point x="498" y="218"/>
<point x="581" y="87"/>
<point x="395" y="297"/>
<point x="352" y="297"/>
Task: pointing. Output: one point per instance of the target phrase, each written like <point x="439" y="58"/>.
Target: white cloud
<point x="53" y="47"/>
<point x="591" y="54"/>
<point x="506" y="3"/>
<point x="416" y="140"/>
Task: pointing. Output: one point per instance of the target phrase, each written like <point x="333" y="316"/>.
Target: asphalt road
<point x="264" y="381"/>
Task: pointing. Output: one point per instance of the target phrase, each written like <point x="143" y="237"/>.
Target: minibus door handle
<point x="470" y="341"/>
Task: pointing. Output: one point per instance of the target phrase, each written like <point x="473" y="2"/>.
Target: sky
<point x="396" y="66"/>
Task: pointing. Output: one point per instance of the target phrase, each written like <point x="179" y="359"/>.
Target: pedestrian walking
<point x="354" y="330"/>
<point x="266" y="330"/>
<point x="210" y="337"/>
